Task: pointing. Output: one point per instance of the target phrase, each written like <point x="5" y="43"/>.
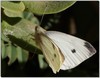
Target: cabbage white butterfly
<point x="62" y="51"/>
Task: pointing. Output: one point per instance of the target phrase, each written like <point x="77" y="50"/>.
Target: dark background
<point x="86" y="17"/>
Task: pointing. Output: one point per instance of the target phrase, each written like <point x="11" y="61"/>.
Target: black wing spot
<point x="73" y="51"/>
<point x="54" y="55"/>
<point x="53" y="46"/>
<point x="52" y="59"/>
<point x="89" y="47"/>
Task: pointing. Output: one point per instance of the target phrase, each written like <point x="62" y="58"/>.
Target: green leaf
<point x="35" y="20"/>
<point x="11" y="51"/>
<point x="29" y="16"/>
<point x="21" y="34"/>
<point x="22" y="55"/>
<point x="47" y="7"/>
<point x="4" y="38"/>
<point x="3" y="50"/>
<point x="42" y="63"/>
<point x="13" y="9"/>
<point x="13" y="14"/>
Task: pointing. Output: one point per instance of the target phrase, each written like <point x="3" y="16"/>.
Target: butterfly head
<point x="39" y="30"/>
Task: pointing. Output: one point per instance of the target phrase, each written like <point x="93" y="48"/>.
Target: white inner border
<point x="48" y="0"/>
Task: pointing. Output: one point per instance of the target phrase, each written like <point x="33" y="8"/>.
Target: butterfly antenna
<point x="43" y="15"/>
<point x="41" y="22"/>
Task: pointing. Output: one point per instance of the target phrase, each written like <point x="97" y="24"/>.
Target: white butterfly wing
<point x="75" y="50"/>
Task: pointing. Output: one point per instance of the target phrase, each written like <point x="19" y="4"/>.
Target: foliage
<point x="18" y="39"/>
<point x="49" y="7"/>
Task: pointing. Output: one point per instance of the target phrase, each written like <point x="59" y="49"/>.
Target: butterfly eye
<point x="73" y="51"/>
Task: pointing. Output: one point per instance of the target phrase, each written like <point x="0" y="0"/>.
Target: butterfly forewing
<point x="51" y="52"/>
